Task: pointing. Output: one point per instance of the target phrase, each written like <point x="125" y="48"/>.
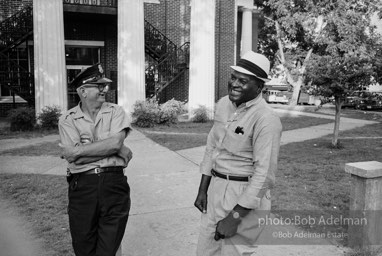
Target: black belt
<point x="229" y="177"/>
<point x="98" y="170"/>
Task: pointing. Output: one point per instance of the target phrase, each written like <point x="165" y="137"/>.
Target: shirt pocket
<point x="237" y="143"/>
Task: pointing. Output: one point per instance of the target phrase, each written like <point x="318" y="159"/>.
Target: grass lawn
<point x="5" y="133"/>
<point x="311" y="175"/>
<point x="188" y="135"/>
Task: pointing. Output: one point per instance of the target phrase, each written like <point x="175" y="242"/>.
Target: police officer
<point x="92" y="141"/>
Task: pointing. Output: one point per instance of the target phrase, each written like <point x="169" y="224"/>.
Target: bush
<point x="149" y="113"/>
<point x="200" y="115"/>
<point x="170" y="110"/>
<point x="22" y="119"/>
<point x="146" y="113"/>
<point x="49" y="117"/>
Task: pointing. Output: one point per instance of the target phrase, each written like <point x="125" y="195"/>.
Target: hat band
<point x="253" y="68"/>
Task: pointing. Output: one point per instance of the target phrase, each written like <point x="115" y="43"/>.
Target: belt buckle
<point x="97" y="170"/>
<point x="227" y="177"/>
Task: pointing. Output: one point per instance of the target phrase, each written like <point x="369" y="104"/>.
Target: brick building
<point x="178" y="49"/>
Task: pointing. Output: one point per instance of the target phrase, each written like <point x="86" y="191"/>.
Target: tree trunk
<point x="297" y="85"/>
<point x="338" y="103"/>
<point x="296" y="91"/>
<point x="300" y="81"/>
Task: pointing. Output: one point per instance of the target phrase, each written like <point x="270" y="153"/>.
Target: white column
<point x="246" y="31"/>
<point x="131" y="53"/>
<point x="202" y="55"/>
<point x="49" y="54"/>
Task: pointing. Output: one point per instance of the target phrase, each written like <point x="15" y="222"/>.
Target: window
<point x="81" y="55"/>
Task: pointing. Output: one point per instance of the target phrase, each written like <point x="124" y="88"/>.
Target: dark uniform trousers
<point x="98" y="210"/>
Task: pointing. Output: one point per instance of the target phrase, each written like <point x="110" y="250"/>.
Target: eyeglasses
<point x="101" y="87"/>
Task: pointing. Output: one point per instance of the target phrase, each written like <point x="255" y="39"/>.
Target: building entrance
<point x="78" y="58"/>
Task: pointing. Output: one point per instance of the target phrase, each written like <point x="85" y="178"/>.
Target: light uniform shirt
<point x="245" y="141"/>
<point x="77" y="128"/>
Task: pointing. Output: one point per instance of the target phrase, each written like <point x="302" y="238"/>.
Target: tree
<point x="337" y="77"/>
<point x="294" y="29"/>
<point x="329" y="44"/>
<point x="348" y="60"/>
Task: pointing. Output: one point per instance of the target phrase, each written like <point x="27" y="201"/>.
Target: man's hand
<point x="70" y="153"/>
<point x="201" y="199"/>
<point x="227" y="227"/>
<point x="201" y="202"/>
<point x="125" y="153"/>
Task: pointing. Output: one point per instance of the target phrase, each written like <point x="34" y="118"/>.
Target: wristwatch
<point x="235" y="215"/>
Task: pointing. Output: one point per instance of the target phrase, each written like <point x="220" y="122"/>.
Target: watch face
<point x="236" y="215"/>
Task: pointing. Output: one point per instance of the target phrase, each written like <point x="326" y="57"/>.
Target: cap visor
<point x="244" y="71"/>
<point x="102" y="80"/>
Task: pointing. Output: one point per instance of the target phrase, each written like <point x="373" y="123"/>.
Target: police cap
<point x="91" y="75"/>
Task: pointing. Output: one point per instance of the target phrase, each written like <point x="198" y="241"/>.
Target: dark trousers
<point x="98" y="210"/>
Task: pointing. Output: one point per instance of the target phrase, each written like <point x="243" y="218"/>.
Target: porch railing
<point x="157" y="45"/>
<point x="160" y="75"/>
<point x="16" y="28"/>
<point x="17" y="79"/>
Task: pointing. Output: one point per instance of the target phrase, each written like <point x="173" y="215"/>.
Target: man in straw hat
<point x="92" y="136"/>
<point x="239" y="165"/>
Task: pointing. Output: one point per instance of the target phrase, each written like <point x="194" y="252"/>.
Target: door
<point x="78" y="58"/>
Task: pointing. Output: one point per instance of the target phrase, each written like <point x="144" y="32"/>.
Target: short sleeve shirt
<point x="77" y="128"/>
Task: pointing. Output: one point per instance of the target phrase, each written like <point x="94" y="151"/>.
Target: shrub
<point x="22" y="119"/>
<point x="170" y="110"/>
<point x="146" y="113"/>
<point x="200" y="114"/>
<point x="149" y="113"/>
<point x="49" y="117"/>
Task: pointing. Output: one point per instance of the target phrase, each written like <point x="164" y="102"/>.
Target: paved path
<point x="163" y="221"/>
<point x="15" y="240"/>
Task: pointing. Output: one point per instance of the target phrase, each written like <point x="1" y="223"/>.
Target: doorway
<point x="78" y="58"/>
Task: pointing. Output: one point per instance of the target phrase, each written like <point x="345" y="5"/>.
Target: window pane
<point x="81" y="55"/>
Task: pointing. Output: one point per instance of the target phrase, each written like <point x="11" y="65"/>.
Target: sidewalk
<point x="164" y="183"/>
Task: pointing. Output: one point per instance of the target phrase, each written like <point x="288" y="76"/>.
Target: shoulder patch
<point x="111" y="105"/>
<point x="68" y="113"/>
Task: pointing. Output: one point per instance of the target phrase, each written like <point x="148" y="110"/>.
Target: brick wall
<point x="225" y="38"/>
<point x="172" y="18"/>
<point x="10" y="7"/>
<point x="177" y="90"/>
